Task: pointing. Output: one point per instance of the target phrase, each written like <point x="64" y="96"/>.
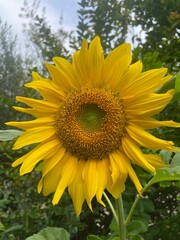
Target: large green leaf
<point x="8" y="135"/>
<point x="136" y="226"/>
<point x="51" y="233"/>
<point x="166" y="174"/>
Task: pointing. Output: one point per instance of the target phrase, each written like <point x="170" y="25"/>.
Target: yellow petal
<point x="39" y="105"/>
<point x="145" y="83"/>
<point x="60" y="78"/>
<point x="150" y="123"/>
<point x="133" y="152"/>
<point x="146" y="139"/>
<point x="21" y="159"/>
<point x="46" y="121"/>
<point x="121" y="167"/>
<point x="149" y="104"/>
<point x="132" y="73"/>
<point x="90" y="178"/>
<point x="115" y="66"/>
<point x="33" y="112"/>
<point x="67" y="72"/>
<point x="47" y="91"/>
<point x="34" y="135"/>
<point x="79" y="63"/>
<point x="40" y="185"/>
<point x="51" y="179"/>
<point x="128" y="170"/>
<point x="95" y="61"/>
<point x="114" y="169"/>
<point x="50" y="163"/>
<point x="103" y="176"/>
<point x="117" y="188"/>
<point x="67" y="175"/>
<point x="76" y="188"/>
<point x="155" y="161"/>
<point x="118" y="157"/>
<point x="134" y="178"/>
<point x="28" y="155"/>
<point x="42" y="151"/>
<point x="53" y="176"/>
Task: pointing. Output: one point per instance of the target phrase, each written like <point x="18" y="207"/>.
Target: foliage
<point x="159" y="21"/>
<point x="7" y="135"/>
<point x="47" y="42"/>
<point x="107" y="19"/>
<point x="51" y="234"/>
<point x="23" y="211"/>
<point x="11" y="71"/>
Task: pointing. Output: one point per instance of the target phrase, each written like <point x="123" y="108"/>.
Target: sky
<point x="10" y="9"/>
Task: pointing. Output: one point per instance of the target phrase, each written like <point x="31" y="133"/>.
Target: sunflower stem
<point x="132" y="209"/>
<point x="121" y="222"/>
<point x="136" y="202"/>
<point x="111" y="207"/>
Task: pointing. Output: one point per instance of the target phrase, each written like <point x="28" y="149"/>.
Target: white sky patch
<point x="65" y="8"/>
<point x="10" y="10"/>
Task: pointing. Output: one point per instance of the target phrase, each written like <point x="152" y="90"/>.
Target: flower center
<point x="91" y="123"/>
<point x="91" y="117"/>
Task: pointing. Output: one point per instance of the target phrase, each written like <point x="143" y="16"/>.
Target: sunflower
<point x="91" y="123"/>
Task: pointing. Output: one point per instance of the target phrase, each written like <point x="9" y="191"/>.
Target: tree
<point x="160" y="22"/>
<point x="107" y="19"/>
<point x="40" y="36"/>
<point x="11" y="71"/>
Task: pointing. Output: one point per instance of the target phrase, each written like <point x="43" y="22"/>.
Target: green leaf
<point x="176" y="160"/>
<point x="169" y="85"/>
<point x="8" y="135"/>
<point x="166" y="155"/>
<point x="93" y="237"/>
<point x="166" y="174"/>
<point x="136" y="226"/>
<point x="36" y="237"/>
<point x="177" y="83"/>
<point x="136" y="237"/>
<point x="114" y="227"/>
<point x="51" y="233"/>
<point x="13" y="228"/>
<point x="1" y="227"/>
<point x="113" y="238"/>
<point x="177" y="87"/>
<point x="172" y="83"/>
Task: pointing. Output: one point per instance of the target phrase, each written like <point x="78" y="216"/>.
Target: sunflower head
<point x="91" y="122"/>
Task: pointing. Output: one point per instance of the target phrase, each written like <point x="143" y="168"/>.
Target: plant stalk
<point x="120" y="212"/>
<point x="111" y="207"/>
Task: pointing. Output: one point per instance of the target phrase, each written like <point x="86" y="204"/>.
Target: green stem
<point x="122" y="226"/>
<point x="135" y="203"/>
<point x="111" y="207"/>
<point x="132" y="209"/>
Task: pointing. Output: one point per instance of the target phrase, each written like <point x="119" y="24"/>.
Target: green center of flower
<point x="90" y="123"/>
<point x="91" y="117"/>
